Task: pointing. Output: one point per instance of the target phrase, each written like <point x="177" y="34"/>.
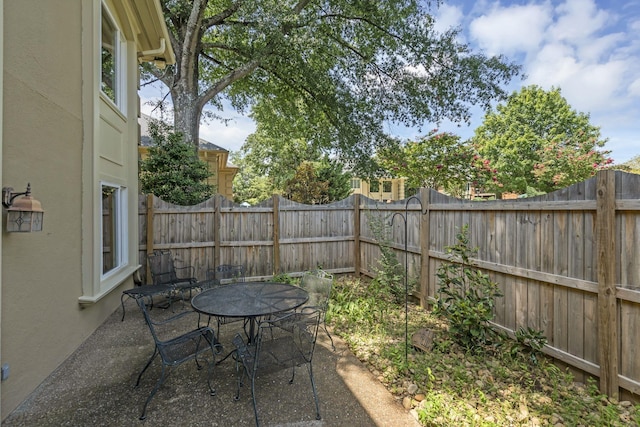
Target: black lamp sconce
<point x="24" y="214"/>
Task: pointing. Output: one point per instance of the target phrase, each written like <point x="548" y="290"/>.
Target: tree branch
<point x="227" y="80"/>
<point x="222" y="16"/>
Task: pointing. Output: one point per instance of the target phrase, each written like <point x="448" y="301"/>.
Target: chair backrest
<point x="229" y="273"/>
<point x="161" y="323"/>
<point x="287" y="341"/>
<point x="318" y="284"/>
<point x="162" y="268"/>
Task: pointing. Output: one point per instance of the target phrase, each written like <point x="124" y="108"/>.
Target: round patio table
<point x="249" y="300"/>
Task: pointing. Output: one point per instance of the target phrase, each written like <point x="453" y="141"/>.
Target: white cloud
<point x="634" y="88"/>
<point x="511" y="30"/>
<point x="447" y="17"/>
<point x="577" y="21"/>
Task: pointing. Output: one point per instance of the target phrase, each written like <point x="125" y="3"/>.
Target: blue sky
<point x="589" y="49"/>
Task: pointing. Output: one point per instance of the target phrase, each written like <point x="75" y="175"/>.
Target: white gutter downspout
<point x="160" y="63"/>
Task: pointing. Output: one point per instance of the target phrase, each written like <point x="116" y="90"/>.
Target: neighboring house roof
<point x="146" y="141"/>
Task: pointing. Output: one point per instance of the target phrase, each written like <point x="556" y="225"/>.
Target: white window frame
<point x="120" y="64"/>
<point x="120" y="233"/>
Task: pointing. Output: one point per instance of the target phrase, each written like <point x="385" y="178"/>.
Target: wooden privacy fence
<point x="567" y="262"/>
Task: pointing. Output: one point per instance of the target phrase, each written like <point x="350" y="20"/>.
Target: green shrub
<point x="389" y="280"/>
<point x="467" y="296"/>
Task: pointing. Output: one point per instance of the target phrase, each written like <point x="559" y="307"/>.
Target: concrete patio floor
<point x="94" y="387"/>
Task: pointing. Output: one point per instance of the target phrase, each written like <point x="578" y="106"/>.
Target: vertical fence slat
<point x="356" y="235"/>
<point x="150" y="233"/>
<point x="424" y="247"/>
<point x="217" y="223"/>
<point x="276" y="234"/>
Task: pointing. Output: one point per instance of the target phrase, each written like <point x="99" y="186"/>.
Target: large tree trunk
<point x="186" y="112"/>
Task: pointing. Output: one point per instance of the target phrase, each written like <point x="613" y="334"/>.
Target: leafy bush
<point x="467" y="296"/>
<point x="173" y="171"/>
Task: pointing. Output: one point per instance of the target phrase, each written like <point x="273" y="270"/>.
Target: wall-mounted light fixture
<point x="24" y="214"/>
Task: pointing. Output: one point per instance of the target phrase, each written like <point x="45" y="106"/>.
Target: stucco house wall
<point x="58" y="136"/>
<point x="361" y="186"/>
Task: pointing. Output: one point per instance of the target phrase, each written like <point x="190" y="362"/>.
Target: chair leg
<point x="122" y="303"/>
<point x="153" y="393"/>
<point x="239" y="375"/>
<point x="210" y="368"/>
<point x="155" y="353"/>
<point x="315" y="394"/>
<point x="333" y="347"/>
<point x="253" y="397"/>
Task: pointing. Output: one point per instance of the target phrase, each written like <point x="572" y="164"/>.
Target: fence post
<point x="356" y="234"/>
<point x="149" y="234"/>
<point x="424" y="247"/>
<point x="607" y="298"/>
<point x="276" y="235"/>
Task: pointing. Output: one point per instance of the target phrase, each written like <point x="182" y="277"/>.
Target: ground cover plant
<point x="502" y="385"/>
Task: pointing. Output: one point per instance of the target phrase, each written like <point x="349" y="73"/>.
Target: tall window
<point x="114" y="222"/>
<point x="386" y="186"/>
<point x="355" y="183"/>
<point x="111" y="61"/>
<point x="374" y="186"/>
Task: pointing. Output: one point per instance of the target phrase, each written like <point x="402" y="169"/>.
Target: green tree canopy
<point x="339" y="181"/>
<point x="173" y="171"/>
<point x="277" y="157"/>
<point x="537" y="141"/>
<point x="437" y="160"/>
<point x="317" y="183"/>
<point x="332" y="73"/>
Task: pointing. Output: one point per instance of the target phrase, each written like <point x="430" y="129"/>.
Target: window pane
<point x="386" y="186"/>
<point x="109" y="56"/>
<point x="374" y="187"/>
<point x="355" y="183"/>
<point x="110" y="243"/>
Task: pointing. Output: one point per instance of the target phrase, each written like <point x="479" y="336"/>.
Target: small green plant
<point x="390" y="273"/>
<point x="528" y="341"/>
<point x="285" y="278"/>
<point x="467" y="296"/>
<point x="356" y="303"/>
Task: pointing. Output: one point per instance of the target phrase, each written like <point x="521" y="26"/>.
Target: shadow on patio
<point x="94" y="387"/>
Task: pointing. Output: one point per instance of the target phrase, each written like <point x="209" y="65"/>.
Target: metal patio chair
<point x="176" y="348"/>
<point x="318" y="283"/>
<point x="227" y="273"/>
<point x="147" y="292"/>
<point x="282" y="344"/>
<point x="164" y="272"/>
<point x="144" y="291"/>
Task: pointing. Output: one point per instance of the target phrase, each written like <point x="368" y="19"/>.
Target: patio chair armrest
<point x="178" y="316"/>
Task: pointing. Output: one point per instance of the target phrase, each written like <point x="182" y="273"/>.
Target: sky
<point x="588" y="49"/>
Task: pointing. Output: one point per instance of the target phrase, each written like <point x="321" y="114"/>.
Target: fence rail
<point x="567" y="262"/>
